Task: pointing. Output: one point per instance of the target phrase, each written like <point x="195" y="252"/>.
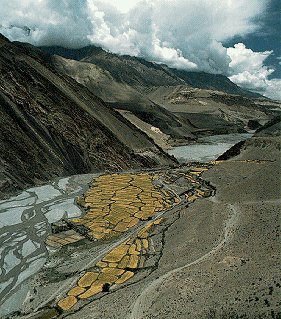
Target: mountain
<point x="137" y="71"/>
<point x="53" y="126"/>
<point x="88" y="110"/>
<point x="182" y="105"/>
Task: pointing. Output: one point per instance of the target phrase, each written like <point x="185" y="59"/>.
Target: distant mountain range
<point x="137" y="71"/>
<point x="183" y="105"/>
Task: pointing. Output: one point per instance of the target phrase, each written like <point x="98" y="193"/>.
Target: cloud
<point x="182" y="33"/>
<point x="46" y="22"/>
<point x="248" y="70"/>
<point x="243" y="59"/>
<point x="185" y="34"/>
<point x="273" y="89"/>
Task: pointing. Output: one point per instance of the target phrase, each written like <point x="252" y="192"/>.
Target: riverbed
<point x="207" y="148"/>
<point x="25" y="223"/>
<point x="25" y="220"/>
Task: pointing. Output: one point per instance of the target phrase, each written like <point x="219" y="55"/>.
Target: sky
<point x="237" y="38"/>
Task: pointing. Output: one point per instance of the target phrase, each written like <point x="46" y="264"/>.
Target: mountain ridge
<point x="160" y="97"/>
<point x="97" y="56"/>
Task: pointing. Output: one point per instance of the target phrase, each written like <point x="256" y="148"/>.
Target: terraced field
<point x="116" y="267"/>
<point x="113" y="205"/>
<point x="119" y="238"/>
<point x="117" y="203"/>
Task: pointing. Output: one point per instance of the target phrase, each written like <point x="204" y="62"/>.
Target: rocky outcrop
<point x="233" y="151"/>
<point x="254" y="124"/>
<point x="271" y="128"/>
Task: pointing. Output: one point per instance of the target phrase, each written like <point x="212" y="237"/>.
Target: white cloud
<point x="182" y="33"/>
<point x="50" y="22"/>
<point x="248" y="70"/>
<point x="273" y="89"/>
<point x="123" y="5"/>
<point x="185" y="34"/>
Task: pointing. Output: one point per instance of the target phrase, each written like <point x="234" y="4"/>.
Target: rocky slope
<point x="183" y="105"/>
<point x="52" y="126"/>
<point x="266" y="142"/>
<point x="136" y="71"/>
<point x="122" y="95"/>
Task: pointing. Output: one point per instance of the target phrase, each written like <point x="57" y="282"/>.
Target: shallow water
<point x="208" y="148"/>
<point x="24" y="225"/>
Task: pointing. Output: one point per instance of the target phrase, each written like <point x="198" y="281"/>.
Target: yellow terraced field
<point x="116" y="203"/>
<point x="116" y="267"/>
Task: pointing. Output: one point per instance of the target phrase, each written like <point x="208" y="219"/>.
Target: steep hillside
<point x="121" y="95"/>
<point x="52" y="126"/>
<point x="125" y="69"/>
<point x="182" y="104"/>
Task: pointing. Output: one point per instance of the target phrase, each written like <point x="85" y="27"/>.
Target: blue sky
<point x="268" y="37"/>
<point x="237" y="38"/>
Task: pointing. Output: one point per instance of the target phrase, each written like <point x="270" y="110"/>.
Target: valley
<point x="132" y="190"/>
<point x="129" y="250"/>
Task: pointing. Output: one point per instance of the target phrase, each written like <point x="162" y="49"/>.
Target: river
<point x="25" y="222"/>
<point x="207" y="148"/>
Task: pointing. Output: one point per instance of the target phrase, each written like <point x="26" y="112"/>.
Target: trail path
<point x="229" y="228"/>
